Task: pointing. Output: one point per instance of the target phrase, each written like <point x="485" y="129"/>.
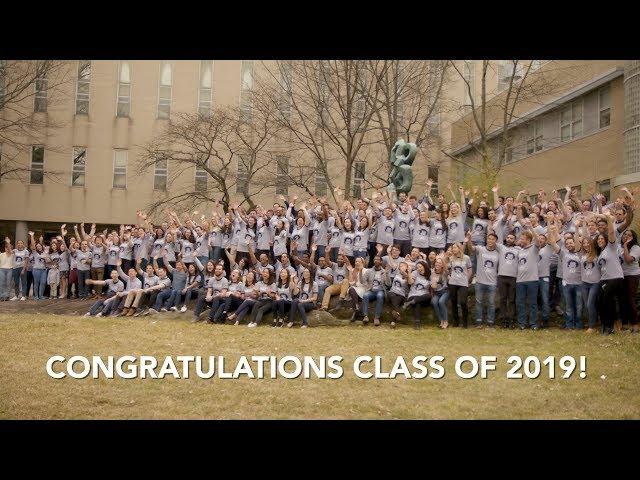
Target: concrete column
<point x="22" y="232"/>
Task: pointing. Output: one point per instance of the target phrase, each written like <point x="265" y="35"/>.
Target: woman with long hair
<point x="266" y="288"/>
<point x="419" y="294"/>
<point x="440" y="290"/>
<point x="249" y="297"/>
<point x="611" y="276"/>
<point x="460" y="271"/>
<point x="590" y="275"/>
<point x="305" y="295"/>
<point x="631" y="270"/>
<point x="284" y="296"/>
<point x="420" y="232"/>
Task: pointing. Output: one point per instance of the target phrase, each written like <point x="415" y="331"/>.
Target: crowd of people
<point x="575" y="257"/>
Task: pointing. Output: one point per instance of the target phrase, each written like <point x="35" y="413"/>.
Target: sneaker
<point x="87" y="314"/>
<point x="376" y="322"/>
<point x="237" y="322"/>
<point x="163" y="309"/>
<point x="131" y="312"/>
<point x="392" y="324"/>
<point x="183" y="309"/>
<point x="22" y="299"/>
<point x="152" y="311"/>
<point x="280" y="323"/>
<point x="304" y="326"/>
<point x="61" y="297"/>
<point x="125" y="311"/>
<point x="365" y="320"/>
<point x="173" y="309"/>
<point x="99" y="314"/>
<point x="252" y="325"/>
<point x="275" y="322"/>
<point x="14" y="298"/>
<point x="590" y="330"/>
<point x="231" y="317"/>
<point x="290" y="324"/>
<point x="534" y="327"/>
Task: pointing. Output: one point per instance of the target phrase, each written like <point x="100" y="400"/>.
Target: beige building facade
<point x="108" y="109"/>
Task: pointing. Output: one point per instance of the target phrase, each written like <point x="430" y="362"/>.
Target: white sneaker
<point x="163" y="309"/>
<point x="87" y="314"/>
<point x="183" y="309"/>
<point x="152" y="311"/>
<point x="303" y="326"/>
<point x="173" y="309"/>
<point x="99" y="314"/>
<point x="61" y="297"/>
<point x="252" y="325"/>
<point x="14" y="298"/>
<point x="22" y="299"/>
<point x="237" y="322"/>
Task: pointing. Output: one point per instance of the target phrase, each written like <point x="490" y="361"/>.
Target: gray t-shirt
<point x="527" y="264"/>
<point x="402" y="220"/>
<point x="630" y="269"/>
<point x="487" y="272"/>
<point x="324" y="271"/>
<point x="420" y="235"/>
<point x="385" y="230"/>
<point x="217" y="284"/>
<point x="83" y="260"/>
<point x="455" y="229"/>
<point x="98" y="257"/>
<point x="479" y="231"/>
<point x="571" y="274"/>
<point x="589" y="270"/>
<point x="458" y="271"/>
<point x="508" y="262"/>
<point x="307" y="291"/>
<point x="420" y="285"/>
<point x="339" y="272"/>
<point x="609" y="263"/>
<point x="399" y="285"/>
<point x="377" y="279"/>
<point x="437" y="234"/>
<point x="20" y="256"/>
<point x="544" y="261"/>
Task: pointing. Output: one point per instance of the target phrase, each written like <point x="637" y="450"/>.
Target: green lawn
<point x="610" y="390"/>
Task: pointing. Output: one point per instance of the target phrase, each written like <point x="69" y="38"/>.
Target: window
<point x="78" y="166"/>
<point x="242" y="176"/>
<point x="324" y="98"/>
<point x="358" y="179"/>
<point x="40" y="99"/>
<point x="164" y="90"/>
<point x="82" y="87"/>
<point x="285" y="94"/>
<point x="37" y="165"/>
<point x="561" y="193"/>
<point x="124" y="90"/>
<point x="604" y="102"/>
<point x="120" y="160"/>
<point x="282" y="175"/>
<point x="321" y="180"/>
<point x="506" y="70"/>
<point x="578" y="189"/>
<point x="201" y="175"/>
<point x="432" y="173"/>
<point x="160" y="175"/>
<point x="246" y="86"/>
<point x="534" y="137"/>
<point x="205" y="97"/>
<point x="571" y="121"/>
<point x="469" y="74"/>
<point x="604" y="187"/>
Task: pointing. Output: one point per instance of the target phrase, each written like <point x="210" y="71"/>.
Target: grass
<point x="27" y="392"/>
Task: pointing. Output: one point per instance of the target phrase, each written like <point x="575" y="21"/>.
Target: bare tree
<point x="488" y="125"/>
<point x="326" y="110"/>
<point x="409" y="103"/>
<point x="27" y="90"/>
<point x="209" y="158"/>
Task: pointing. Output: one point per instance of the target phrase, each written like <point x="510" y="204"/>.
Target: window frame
<point x="83" y="81"/>
<point x="119" y="85"/>
<point x="157" y="173"/>
<point x="74" y="168"/>
<point x="320" y="179"/>
<point x="282" y="177"/>
<point x="201" y="88"/>
<point x="600" y="109"/>
<point x="162" y="101"/>
<point x="41" y="164"/>
<point x="572" y="120"/>
<point x="126" y="167"/>
<point x="200" y="174"/>
<point x="358" y="181"/>
<point x="39" y="96"/>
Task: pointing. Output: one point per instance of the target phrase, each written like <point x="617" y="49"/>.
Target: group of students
<point x="408" y="252"/>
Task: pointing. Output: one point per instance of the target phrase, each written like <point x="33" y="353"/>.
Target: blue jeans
<point x="162" y="297"/>
<point x="83" y="289"/>
<point x="378" y="295"/>
<point x="215" y="253"/>
<point x="203" y="260"/>
<point x="488" y="292"/>
<point x="5" y="282"/>
<point x="573" y="312"/>
<point x="589" y="293"/>
<point x="439" y="303"/>
<point x="20" y="278"/>
<point x="543" y="288"/>
<point x="527" y="296"/>
<point x="39" y="282"/>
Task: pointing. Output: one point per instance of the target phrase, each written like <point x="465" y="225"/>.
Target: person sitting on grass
<point x="376" y="276"/>
<point x="399" y="287"/>
<point x="340" y="284"/>
<point x="115" y="307"/>
<point x="178" y="275"/>
<point x="114" y="286"/>
<point x="189" y="292"/>
<point x="267" y="293"/>
<point x="249" y="297"/>
<point x="232" y="298"/>
<point x="149" y="279"/>
<point x="307" y="296"/>
<point x="151" y="293"/>
<point x="217" y="289"/>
